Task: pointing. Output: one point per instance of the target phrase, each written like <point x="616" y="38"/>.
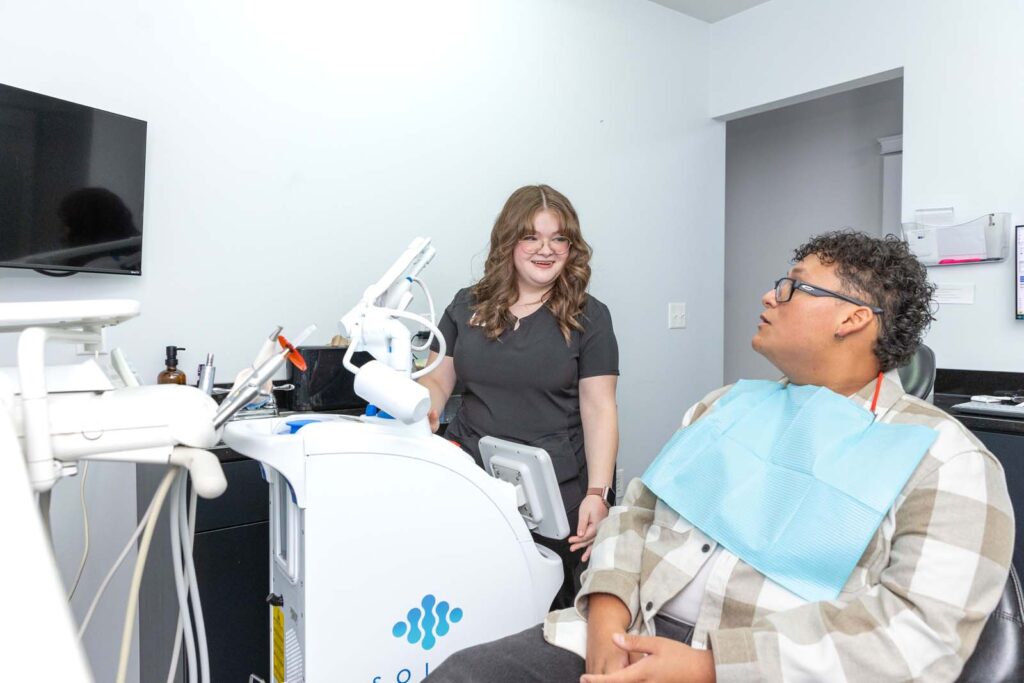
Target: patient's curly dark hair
<point x="884" y="272"/>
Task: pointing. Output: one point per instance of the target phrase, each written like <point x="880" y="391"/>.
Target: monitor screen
<point x="1019" y="275"/>
<point x="71" y="185"/>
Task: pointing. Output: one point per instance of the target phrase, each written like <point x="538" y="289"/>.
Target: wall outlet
<point x="676" y="316"/>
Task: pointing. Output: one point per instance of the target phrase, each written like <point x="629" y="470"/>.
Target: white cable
<point x="180" y="586"/>
<point x="85" y="533"/>
<point x="176" y="650"/>
<point x="117" y="564"/>
<point x="140" y="564"/>
<point x="433" y="318"/>
<point x="197" y="607"/>
<point x="346" y="361"/>
<point x="419" y="319"/>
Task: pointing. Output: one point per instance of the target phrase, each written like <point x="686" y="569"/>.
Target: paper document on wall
<point x="961" y="242"/>
<point x="954" y="293"/>
<point x="923" y="243"/>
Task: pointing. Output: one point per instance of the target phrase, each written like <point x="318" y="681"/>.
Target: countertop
<point x="974" y="421"/>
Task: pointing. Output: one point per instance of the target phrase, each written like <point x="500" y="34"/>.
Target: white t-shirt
<point x="685" y="606"/>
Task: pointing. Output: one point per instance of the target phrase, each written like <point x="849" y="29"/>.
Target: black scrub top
<point x="524" y="385"/>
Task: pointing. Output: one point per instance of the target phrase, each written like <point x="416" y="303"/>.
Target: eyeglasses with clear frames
<point x="532" y="243"/>
<point x="785" y="286"/>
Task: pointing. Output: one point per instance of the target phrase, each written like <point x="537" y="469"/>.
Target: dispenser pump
<point x="171" y="374"/>
<point x="172" y="356"/>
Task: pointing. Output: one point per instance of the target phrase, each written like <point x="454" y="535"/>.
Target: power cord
<point x="140" y="565"/>
<point x="85" y="533"/>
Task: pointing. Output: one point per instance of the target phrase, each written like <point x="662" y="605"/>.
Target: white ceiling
<point x="710" y="10"/>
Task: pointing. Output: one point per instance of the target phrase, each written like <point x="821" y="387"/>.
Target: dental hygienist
<point x="538" y="361"/>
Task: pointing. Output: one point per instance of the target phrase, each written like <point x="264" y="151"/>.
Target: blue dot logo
<point x="427" y="623"/>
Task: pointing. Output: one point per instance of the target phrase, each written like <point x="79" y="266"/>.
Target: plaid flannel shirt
<point x="912" y="610"/>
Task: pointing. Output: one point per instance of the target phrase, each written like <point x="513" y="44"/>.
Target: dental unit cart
<point x="390" y="548"/>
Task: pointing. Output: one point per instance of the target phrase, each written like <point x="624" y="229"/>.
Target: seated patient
<point x="828" y="527"/>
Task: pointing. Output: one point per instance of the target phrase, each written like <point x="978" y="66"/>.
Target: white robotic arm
<point x="374" y="325"/>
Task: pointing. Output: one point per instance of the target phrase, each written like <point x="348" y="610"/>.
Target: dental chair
<point x="999" y="656"/>
<point x="918" y="376"/>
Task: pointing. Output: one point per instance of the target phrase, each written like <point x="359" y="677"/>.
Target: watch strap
<point x="603" y="492"/>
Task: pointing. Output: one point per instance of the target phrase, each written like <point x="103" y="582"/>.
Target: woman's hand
<point x="592" y="511"/>
<point x="439" y="383"/>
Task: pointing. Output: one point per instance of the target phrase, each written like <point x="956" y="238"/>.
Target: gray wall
<point x="792" y="173"/>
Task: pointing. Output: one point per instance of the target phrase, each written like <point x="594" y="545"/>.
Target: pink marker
<point x="946" y="261"/>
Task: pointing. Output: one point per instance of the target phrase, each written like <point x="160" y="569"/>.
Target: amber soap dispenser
<point x="171" y="374"/>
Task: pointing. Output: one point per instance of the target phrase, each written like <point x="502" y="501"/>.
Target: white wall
<point x="792" y="173"/>
<point x="963" y="144"/>
<point x="780" y="51"/>
<point x="962" y="141"/>
<point x="295" y="150"/>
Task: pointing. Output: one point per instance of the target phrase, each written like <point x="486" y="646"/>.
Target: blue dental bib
<point x="794" y="480"/>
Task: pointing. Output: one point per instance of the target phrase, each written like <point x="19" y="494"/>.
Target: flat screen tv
<point x="71" y="186"/>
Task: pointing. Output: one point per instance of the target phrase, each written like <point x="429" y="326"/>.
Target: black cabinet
<point x="231" y="565"/>
<point x="231" y="553"/>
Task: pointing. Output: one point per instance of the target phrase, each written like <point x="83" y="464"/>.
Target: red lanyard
<point x="878" y="390"/>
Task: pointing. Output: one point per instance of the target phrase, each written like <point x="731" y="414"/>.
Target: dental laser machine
<point x="390" y="548"/>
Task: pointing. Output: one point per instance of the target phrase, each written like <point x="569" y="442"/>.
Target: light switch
<point x="676" y="316"/>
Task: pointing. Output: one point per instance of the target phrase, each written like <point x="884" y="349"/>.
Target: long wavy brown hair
<point x="497" y="290"/>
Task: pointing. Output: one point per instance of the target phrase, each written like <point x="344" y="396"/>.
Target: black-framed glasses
<point x="785" y="286"/>
<point x="532" y="243"/>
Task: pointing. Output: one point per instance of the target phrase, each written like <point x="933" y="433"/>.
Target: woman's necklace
<point x="527" y="309"/>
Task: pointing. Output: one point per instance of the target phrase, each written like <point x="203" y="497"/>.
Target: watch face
<point x="609" y="496"/>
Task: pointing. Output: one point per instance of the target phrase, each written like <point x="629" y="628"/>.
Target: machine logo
<point x="424" y="623"/>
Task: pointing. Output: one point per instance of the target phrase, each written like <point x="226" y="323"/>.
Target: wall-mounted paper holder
<point x="944" y="243"/>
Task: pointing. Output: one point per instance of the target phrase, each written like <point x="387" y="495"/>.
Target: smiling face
<point x="537" y="272"/>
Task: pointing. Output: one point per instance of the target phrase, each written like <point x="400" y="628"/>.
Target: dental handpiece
<point x="243" y="393"/>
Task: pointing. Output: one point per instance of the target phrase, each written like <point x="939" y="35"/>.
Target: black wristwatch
<point x="606" y="493"/>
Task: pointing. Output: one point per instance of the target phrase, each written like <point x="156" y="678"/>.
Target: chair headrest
<point x="918" y="376"/>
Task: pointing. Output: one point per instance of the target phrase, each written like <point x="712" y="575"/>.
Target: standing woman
<point x="538" y="361"/>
